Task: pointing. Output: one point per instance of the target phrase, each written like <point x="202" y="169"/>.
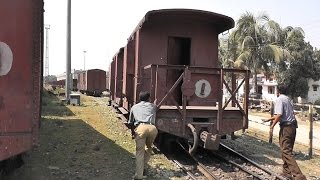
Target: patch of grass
<point x="52" y="105"/>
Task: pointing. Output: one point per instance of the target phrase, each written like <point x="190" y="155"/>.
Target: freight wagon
<point x="62" y="84"/>
<point x="173" y="53"/>
<point x="21" y="52"/>
<point x="92" y="82"/>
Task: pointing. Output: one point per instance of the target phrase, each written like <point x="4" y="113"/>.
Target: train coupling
<point x="210" y="141"/>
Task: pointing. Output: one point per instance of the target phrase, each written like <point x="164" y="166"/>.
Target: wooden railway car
<point x="21" y="45"/>
<point x="92" y="82"/>
<point x="173" y="53"/>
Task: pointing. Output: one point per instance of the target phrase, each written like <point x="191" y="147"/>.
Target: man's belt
<point x="143" y="123"/>
<point x="288" y="123"/>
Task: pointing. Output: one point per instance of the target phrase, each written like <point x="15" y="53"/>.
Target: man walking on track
<point x="284" y="114"/>
<point x="142" y="116"/>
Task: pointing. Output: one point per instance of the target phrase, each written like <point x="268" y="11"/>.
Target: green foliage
<point x="262" y="45"/>
<point x="296" y="84"/>
<point x="228" y="51"/>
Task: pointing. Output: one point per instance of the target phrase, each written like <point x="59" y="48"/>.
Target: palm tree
<point x="258" y="45"/>
<point x="280" y="37"/>
<point x="228" y="52"/>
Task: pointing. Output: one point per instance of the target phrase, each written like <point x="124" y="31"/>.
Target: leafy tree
<point x="262" y="45"/>
<point x="228" y="51"/>
<point x="295" y="71"/>
<point x="257" y="49"/>
<point x="316" y="64"/>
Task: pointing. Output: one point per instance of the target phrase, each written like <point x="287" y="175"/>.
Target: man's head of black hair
<point x="282" y="89"/>
<point x="144" y="96"/>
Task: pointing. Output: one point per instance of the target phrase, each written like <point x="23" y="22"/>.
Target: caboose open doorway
<point x="178" y="54"/>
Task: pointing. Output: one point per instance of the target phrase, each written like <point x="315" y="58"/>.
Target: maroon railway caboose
<point x="21" y="45"/>
<point x="92" y="82"/>
<point x="173" y="53"/>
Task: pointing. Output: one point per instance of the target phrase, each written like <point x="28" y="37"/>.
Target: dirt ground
<point x="90" y="142"/>
<point x="85" y="142"/>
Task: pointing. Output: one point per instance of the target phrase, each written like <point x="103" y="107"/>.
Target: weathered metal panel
<point x="153" y="47"/>
<point x="21" y="23"/>
<point x="170" y="120"/>
<point x="128" y="74"/>
<point x="92" y="80"/>
<point x="182" y="46"/>
<point x="96" y="80"/>
<point x="119" y="76"/>
<point x="14" y="144"/>
<point x="82" y="83"/>
<point x="112" y="77"/>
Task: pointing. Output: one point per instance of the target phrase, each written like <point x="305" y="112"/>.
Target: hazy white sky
<point x="101" y="27"/>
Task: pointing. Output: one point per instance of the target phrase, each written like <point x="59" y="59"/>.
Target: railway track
<point x="223" y="164"/>
<point x="272" y="174"/>
<point x="191" y="165"/>
<point x="235" y="166"/>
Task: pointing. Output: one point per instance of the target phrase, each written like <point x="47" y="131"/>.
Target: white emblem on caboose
<point x="6" y="58"/>
<point x="203" y="88"/>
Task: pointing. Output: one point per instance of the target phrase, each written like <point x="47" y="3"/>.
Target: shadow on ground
<point x="71" y="149"/>
<point x="53" y="106"/>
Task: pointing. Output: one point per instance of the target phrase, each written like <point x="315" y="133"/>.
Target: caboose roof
<point x="219" y="21"/>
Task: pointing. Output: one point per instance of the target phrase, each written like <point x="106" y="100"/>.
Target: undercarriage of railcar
<point x="201" y="105"/>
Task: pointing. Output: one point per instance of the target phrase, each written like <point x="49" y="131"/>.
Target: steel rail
<point x="202" y="168"/>
<point x="252" y="162"/>
<point x="239" y="166"/>
<point x="185" y="170"/>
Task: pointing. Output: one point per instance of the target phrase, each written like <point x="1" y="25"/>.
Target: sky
<point x="101" y="27"/>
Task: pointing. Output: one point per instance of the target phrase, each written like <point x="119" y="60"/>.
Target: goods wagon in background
<point x="92" y="82"/>
<point x="173" y="54"/>
<point x="21" y="52"/>
<point x="62" y="84"/>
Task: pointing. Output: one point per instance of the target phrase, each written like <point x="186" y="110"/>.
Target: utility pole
<point x="84" y="60"/>
<point x="46" y="67"/>
<point x="68" y="59"/>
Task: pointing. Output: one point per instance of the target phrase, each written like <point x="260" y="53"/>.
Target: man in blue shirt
<point x="142" y="116"/>
<point x="284" y="114"/>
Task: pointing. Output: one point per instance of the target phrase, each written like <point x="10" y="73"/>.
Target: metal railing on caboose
<point x="231" y="79"/>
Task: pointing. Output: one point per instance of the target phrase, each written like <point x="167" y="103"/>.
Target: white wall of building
<point x="314" y="91"/>
<point x="269" y="90"/>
